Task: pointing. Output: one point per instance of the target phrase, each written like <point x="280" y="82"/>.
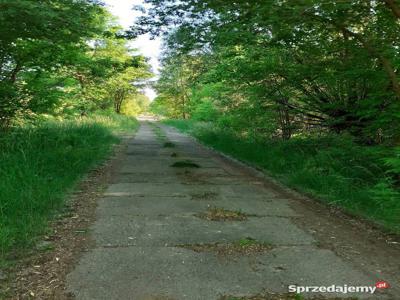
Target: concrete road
<point x="148" y="223"/>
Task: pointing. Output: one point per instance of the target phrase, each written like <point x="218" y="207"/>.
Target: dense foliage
<point x="286" y="78"/>
<point x="278" y="68"/>
<point x="63" y="57"/>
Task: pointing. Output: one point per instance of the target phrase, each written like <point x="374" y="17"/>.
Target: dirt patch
<point x="221" y="214"/>
<point x="204" y="196"/>
<point x="42" y="272"/>
<point x="279" y="296"/>
<point x="185" y="164"/>
<point x="246" y="246"/>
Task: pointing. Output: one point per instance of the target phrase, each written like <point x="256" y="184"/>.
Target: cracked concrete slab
<point x="155" y="206"/>
<point x="124" y="230"/>
<point x="143" y="273"/>
<point x="168" y="161"/>
<point x="180" y="189"/>
<point x="141" y="168"/>
<point x="150" y="208"/>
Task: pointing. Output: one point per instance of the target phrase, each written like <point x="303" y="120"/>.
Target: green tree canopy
<point x="63" y="56"/>
<point x="287" y="66"/>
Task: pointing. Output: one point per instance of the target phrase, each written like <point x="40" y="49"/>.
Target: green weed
<point x="169" y="145"/>
<point x="246" y="246"/>
<point x="185" y="164"/>
<point x="221" y="214"/>
<point x="158" y="132"/>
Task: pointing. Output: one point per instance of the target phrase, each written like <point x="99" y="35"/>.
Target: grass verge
<point x="39" y="166"/>
<point x="333" y="169"/>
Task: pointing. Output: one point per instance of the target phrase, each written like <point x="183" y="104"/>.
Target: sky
<point x="149" y="48"/>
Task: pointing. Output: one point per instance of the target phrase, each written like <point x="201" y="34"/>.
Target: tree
<point x="66" y="57"/>
<point x="303" y="65"/>
<point x="111" y="71"/>
<point x="51" y="35"/>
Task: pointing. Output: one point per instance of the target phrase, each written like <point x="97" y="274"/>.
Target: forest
<point x="66" y="58"/>
<point x="307" y="90"/>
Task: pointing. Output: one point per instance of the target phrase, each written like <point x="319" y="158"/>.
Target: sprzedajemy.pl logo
<point x="342" y="289"/>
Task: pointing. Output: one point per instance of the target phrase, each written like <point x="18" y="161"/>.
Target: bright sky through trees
<point x="149" y="48"/>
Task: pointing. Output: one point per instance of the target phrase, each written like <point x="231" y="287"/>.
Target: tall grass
<point x="331" y="168"/>
<point x="38" y="167"/>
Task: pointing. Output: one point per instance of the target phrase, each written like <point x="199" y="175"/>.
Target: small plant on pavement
<point x="221" y="214"/>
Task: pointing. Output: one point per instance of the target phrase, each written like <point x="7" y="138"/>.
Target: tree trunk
<point x="14" y="73"/>
<point x="118" y="100"/>
<point x="284" y="120"/>
<point x="393" y="7"/>
<point x="183" y="107"/>
<point x="386" y="63"/>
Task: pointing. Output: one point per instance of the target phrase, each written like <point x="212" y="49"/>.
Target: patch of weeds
<point x="221" y="214"/>
<point x="174" y="154"/>
<point x="160" y="135"/>
<point x="248" y="241"/>
<point x="204" y="196"/>
<point x="185" y="164"/>
<point x="246" y="246"/>
<point x="169" y="145"/>
<point x="158" y="132"/>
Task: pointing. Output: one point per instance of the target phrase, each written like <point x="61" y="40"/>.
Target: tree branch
<point x="391" y="4"/>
